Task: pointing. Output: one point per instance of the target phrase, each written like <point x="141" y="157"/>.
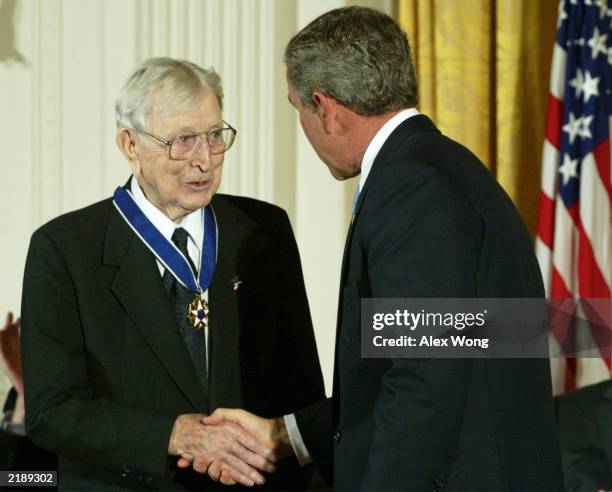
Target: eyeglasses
<point x="184" y="146"/>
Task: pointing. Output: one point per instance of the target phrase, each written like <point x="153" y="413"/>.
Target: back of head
<point x="163" y="83"/>
<point x="357" y="55"/>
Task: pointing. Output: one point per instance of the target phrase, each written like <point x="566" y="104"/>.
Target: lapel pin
<point x="236" y="283"/>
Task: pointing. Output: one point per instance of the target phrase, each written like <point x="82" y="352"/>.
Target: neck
<point x="176" y="217"/>
<point x="363" y="129"/>
<point x="175" y="214"/>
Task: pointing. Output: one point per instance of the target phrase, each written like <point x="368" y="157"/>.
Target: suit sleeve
<point x="298" y="354"/>
<point x="422" y="240"/>
<point x="315" y="426"/>
<point x="63" y="413"/>
<point x="298" y="358"/>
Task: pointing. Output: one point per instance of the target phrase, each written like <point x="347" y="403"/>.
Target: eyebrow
<point x="189" y="129"/>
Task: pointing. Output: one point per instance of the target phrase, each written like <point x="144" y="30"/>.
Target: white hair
<point x="173" y="84"/>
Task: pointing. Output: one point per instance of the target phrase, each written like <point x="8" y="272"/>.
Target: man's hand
<point x="10" y="352"/>
<point x="238" y="454"/>
<point x="271" y="433"/>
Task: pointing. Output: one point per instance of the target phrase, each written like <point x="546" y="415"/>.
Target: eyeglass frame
<point x="168" y="143"/>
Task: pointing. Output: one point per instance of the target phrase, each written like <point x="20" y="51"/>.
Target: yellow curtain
<point x="484" y="69"/>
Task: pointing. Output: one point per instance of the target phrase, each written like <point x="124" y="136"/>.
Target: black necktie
<point x="180" y="298"/>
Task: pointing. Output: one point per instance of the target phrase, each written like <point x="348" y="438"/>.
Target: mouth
<point x="198" y="185"/>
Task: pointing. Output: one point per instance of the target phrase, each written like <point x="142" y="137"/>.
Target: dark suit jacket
<point x="106" y="370"/>
<point x="431" y="222"/>
<point x="585" y="428"/>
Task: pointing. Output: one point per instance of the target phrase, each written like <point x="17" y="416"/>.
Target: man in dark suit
<point x="429" y="222"/>
<point x="145" y="312"/>
<point x="585" y="431"/>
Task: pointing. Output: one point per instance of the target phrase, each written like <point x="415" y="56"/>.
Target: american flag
<point x="574" y="241"/>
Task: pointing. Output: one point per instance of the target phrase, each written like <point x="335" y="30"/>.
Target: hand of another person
<point x="271" y="433"/>
<point x="10" y="352"/>
<point x="238" y="454"/>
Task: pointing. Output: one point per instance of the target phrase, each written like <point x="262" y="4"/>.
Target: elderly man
<point x="430" y="222"/>
<point x="144" y="312"/>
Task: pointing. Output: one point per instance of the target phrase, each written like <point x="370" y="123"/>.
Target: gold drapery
<point x="484" y="68"/>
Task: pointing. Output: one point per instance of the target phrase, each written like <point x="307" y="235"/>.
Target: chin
<point x="340" y="175"/>
<point x="195" y="203"/>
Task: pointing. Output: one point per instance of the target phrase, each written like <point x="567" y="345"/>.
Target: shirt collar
<point x="192" y="222"/>
<point x="378" y="141"/>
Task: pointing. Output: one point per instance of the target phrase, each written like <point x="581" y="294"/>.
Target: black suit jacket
<point x="585" y="428"/>
<point x="106" y="370"/>
<point x="431" y="222"/>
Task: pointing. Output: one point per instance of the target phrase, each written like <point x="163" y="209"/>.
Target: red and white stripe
<point x="574" y="246"/>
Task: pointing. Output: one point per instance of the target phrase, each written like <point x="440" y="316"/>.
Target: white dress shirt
<point x="297" y="443"/>
<point x="378" y="141"/>
<point x="192" y="223"/>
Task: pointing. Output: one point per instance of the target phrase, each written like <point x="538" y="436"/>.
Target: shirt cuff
<point x="297" y="443"/>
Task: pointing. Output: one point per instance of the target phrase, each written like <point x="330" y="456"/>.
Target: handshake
<point x="231" y="445"/>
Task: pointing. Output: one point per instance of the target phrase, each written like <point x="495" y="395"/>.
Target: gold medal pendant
<point x="197" y="312"/>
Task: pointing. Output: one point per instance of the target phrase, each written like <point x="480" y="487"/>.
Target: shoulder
<point x="85" y="224"/>
<point x="418" y="187"/>
<point x="249" y="208"/>
<point x="417" y="148"/>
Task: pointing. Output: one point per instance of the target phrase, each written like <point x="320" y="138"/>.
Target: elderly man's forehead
<point x="176" y="99"/>
<point x="196" y="113"/>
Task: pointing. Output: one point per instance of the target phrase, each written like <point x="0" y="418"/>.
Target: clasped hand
<point x="232" y="446"/>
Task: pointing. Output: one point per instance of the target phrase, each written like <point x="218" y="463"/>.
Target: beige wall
<point x="62" y="63"/>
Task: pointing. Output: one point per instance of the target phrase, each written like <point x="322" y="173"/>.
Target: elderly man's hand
<point x="238" y="456"/>
<point x="271" y="433"/>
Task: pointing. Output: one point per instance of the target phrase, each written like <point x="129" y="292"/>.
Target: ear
<point x="326" y="108"/>
<point x="126" y="142"/>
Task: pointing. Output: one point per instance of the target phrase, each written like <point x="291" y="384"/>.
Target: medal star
<point x="569" y="168"/>
<point x="577" y="82"/>
<point x="572" y="127"/>
<point x="199" y="314"/>
<point x="598" y="43"/>
<point x="589" y="86"/>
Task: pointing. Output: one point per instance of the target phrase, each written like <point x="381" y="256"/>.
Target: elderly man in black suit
<point x="146" y="311"/>
<point x="429" y="222"/>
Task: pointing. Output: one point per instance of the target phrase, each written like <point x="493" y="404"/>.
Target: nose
<point x="202" y="156"/>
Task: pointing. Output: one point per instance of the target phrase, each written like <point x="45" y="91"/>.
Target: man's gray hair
<point x="357" y="55"/>
<point x="163" y="82"/>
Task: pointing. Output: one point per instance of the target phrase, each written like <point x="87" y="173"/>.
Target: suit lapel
<point x="138" y="287"/>
<point x="225" y="313"/>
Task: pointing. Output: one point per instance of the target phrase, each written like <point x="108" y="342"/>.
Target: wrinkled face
<point x="313" y="128"/>
<point x="178" y="187"/>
